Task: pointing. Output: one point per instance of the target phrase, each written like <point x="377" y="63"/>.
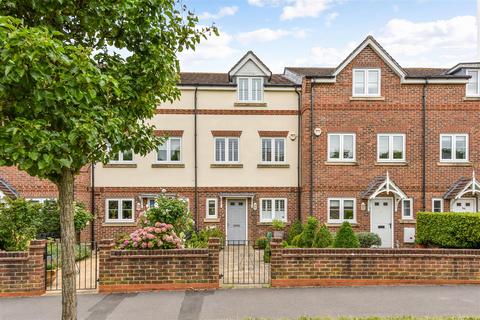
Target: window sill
<point x="471" y="98"/>
<point x="273" y="165"/>
<point x="367" y="98"/>
<point x="454" y="164"/>
<point x="168" y="165"/>
<point x="120" y="165"/>
<point x="226" y="165"/>
<point x="407" y="221"/>
<point x="341" y="163"/>
<point x="216" y="220"/>
<point x="400" y="163"/>
<point x="119" y="224"/>
<point x="264" y="223"/>
<point x="249" y="104"/>
<point x="339" y="224"/>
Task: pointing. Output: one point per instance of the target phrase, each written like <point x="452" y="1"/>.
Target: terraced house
<point x="367" y="141"/>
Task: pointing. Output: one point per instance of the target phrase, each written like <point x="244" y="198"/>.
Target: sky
<point x="417" y="33"/>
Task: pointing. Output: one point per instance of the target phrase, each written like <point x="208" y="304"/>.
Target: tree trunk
<point x="65" y="201"/>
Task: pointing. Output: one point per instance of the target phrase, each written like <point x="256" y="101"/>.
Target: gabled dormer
<point x="250" y="75"/>
<point x="471" y="69"/>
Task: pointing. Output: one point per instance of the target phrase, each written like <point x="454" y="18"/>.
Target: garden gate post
<point x="214" y="255"/>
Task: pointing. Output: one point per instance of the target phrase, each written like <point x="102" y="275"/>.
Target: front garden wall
<point x="22" y="273"/>
<point x="351" y="267"/>
<point x="143" y="270"/>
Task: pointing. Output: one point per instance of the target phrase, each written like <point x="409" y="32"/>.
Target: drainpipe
<point x="424" y="144"/>
<point x="92" y="205"/>
<point x="195" y="157"/>
<point x="311" y="147"/>
<point x="299" y="155"/>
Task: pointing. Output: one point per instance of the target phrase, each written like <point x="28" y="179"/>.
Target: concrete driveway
<point x="271" y="303"/>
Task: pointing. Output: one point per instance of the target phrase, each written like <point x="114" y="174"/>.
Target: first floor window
<point x="273" y="149"/>
<point x="273" y="209"/>
<point x="437" y="205"/>
<point x="391" y="147"/>
<point x="250" y="89"/>
<point x="454" y="147"/>
<point x="341" y="147"/>
<point x="169" y="151"/>
<point x="211" y="208"/>
<point x="226" y="149"/>
<point x="341" y="209"/>
<point x="123" y="156"/>
<point x="473" y="85"/>
<point x="119" y="210"/>
<point x="366" y="82"/>
<point x="407" y="209"/>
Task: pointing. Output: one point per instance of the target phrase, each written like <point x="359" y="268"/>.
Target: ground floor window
<point x="211" y="208"/>
<point x="341" y="209"/>
<point x="41" y="200"/>
<point x="437" y="205"/>
<point x="407" y="208"/>
<point x="119" y="210"/>
<point x="273" y="209"/>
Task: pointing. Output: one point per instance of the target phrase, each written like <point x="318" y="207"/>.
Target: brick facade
<point x="140" y="270"/>
<point x="351" y="267"/>
<point x="23" y="273"/>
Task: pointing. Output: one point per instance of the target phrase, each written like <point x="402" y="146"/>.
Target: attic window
<point x="473" y="85"/>
<point x="366" y="82"/>
<point x="250" y="89"/>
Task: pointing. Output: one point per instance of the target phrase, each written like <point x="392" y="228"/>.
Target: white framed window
<point x="437" y="205"/>
<point x="40" y="200"/>
<point x="119" y="210"/>
<point x="473" y="85"/>
<point x="123" y="156"/>
<point x="211" y="208"/>
<point x="250" y="89"/>
<point x="366" y="82"/>
<point x="454" y="147"/>
<point x="170" y="150"/>
<point x="390" y="147"/>
<point x="227" y="149"/>
<point x="273" y="209"/>
<point x="341" y="209"/>
<point x="407" y="209"/>
<point x="273" y="150"/>
<point x="341" y="147"/>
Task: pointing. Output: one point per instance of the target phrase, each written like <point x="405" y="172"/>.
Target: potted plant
<point x="279" y="228"/>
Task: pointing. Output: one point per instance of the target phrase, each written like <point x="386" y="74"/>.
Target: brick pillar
<point x="214" y="256"/>
<point x="104" y="248"/>
<point x="275" y="258"/>
<point x="36" y="255"/>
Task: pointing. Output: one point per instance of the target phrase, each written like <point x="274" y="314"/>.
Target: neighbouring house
<point x="368" y="142"/>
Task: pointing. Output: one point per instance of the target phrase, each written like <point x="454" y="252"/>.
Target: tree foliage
<point x="50" y="218"/>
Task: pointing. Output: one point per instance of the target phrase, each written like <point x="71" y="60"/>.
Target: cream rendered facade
<point x="218" y="111"/>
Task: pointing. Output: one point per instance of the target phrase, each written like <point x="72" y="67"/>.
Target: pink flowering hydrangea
<point x="160" y="236"/>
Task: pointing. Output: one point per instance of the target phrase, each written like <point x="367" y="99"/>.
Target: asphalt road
<point x="269" y="303"/>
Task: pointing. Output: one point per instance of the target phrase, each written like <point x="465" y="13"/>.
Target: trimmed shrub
<point x="295" y="229"/>
<point x="261" y="243"/>
<point x="323" y="238"/>
<point x="308" y="234"/>
<point x="345" y="237"/>
<point x="200" y="239"/>
<point x="449" y="229"/>
<point x="369" y="239"/>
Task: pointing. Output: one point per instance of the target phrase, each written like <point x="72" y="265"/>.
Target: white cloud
<point x="329" y="56"/>
<point x="330" y="18"/>
<point x="304" y="8"/>
<point x="222" y="12"/>
<point x="431" y="43"/>
<point x="267" y="35"/>
<point x="265" y="3"/>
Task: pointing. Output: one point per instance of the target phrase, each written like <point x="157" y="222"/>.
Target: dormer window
<point x="250" y="89"/>
<point x="473" y="85"/>
<point x="366" y="82"/>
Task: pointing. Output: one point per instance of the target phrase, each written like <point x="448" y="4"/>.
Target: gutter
<point x="299" y="155"/>
<point x="311" y="148"/>
<point x="424" y="144"/>
<point x="195" y="205"/>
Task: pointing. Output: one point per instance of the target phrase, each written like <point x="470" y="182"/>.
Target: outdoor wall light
<point x="317" y="132"/>
<point x="363" y="206"/>
<point x="293" y="136"/>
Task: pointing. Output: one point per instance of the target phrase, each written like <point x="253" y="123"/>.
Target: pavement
<point x="266" y="303"/>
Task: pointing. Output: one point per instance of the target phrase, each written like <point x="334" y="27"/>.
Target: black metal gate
<point x="86" y="265"/>
<point x="242" y="262"/>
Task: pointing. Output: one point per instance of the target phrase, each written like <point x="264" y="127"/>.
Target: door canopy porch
<point x="462" y="187"/>
<point x="383" y="184"/>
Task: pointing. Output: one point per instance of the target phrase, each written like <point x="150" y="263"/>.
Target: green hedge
<point x="449" y="229"/>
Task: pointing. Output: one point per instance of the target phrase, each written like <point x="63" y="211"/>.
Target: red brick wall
<point x="400" y="112"/>
<point x="23" y="273"/>
<point x="140" y="270"/>
<point x="348" y="267"/>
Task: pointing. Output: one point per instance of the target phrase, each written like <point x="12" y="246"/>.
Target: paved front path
<point x="271" y="303"/>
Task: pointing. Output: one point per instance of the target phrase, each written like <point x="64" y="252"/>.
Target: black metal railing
<point x="86" y="265"/>
<point x="242" y="262"/>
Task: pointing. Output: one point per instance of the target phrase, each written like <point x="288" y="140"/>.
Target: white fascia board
<point x="245" y="59"/>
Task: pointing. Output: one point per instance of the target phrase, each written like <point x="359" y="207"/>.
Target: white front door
<point x="382" y="220"/>
<point x="464" y="205"/>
